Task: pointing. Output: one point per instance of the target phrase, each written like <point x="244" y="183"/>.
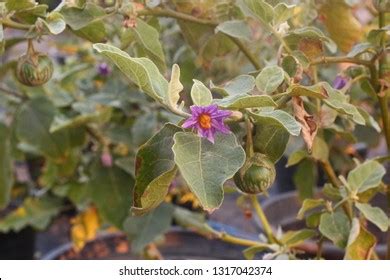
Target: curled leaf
<point x="309" y="125"/>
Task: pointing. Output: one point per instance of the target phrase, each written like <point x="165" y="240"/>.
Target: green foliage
<point x="206" y="166"/>
<point x="6" y="176"/>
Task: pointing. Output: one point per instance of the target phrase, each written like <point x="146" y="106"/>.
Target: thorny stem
<point x="320" y="246"/>
<point x="249" y="137"/>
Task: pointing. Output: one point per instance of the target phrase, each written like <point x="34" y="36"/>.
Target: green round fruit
<point x="256" y="176"/>
<point x="34" y="69"/>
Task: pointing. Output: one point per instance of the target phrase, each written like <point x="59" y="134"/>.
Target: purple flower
<point x="207" y="120"/>
<point x="339" y="82"/>
<point x="104" y="69"/>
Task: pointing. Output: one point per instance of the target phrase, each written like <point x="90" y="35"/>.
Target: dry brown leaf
<point x="309" y="125"/>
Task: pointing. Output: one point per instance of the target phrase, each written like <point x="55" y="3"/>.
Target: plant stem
<point x="245" y="50"/>
<point x="202" y="228"/>
<point x="249" y="137"/>
<point x="383" y="103"/>
<point x="328" y="169"/>
<point x="7" y="22"/>
<point x="341" y="59"/>
<point x="320" y="246"/>
<point x="159" y="12"/>
<point x="263" y="218"/>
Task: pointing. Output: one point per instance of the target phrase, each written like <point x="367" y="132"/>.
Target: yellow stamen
<point x="205" y="121"/>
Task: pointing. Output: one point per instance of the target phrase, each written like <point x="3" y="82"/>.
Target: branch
<point x="159" y="12"/>
<point x="340" y="59"/>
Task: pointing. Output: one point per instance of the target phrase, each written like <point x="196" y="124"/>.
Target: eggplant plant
<point x="136" y="102"/>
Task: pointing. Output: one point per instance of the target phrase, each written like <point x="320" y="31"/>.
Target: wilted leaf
<point x="174" y="87"/>
<point x="361" y="243"/>
<point x="283" y="12"/>
<point x="315" y="91"/>
<point x="341" y="24"/>
<point x="84" y="228"/>
<point x="309" y="125"/>
<point x="206" y="166"/>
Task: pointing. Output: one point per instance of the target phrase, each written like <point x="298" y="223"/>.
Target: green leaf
<point x="86" y="22"/>
<point x="100" y="116"/>
<point x="35" y="212"/>
<point x="54" y="22"/>
<point x="206" y="166"/>
<point x="33" y="127"/>
<point x="238" y="86"/>
<point x="271" y="140"/>
<point x="360" y="48"/>
<point x="375" y="215"/>
<point x="174" y="87"/>
<point x="361" y="243"/>
<point x="245" y="101"/>
<point x="296" y="157"/>
<point x="268" y="116"/>
<point x="320" y="149"/>
<point x="309" y="204"/>
<point x="283" y="12"/>
<point x="290" y="65"/>
<point x="143" y="230"/>
<point x="251" y="252"/>
<point x="261" y="10"/>
<point x="366" y="176"/>
<point x="269" y="79"/>
<point x="315" y="91"/>
<point x="294" y="37"/>
<point x="6" y="173"/>
<point x="16" y="5"/>
<point x="335" y="226"/>
<point x="293" y="238"/>
<point x="155" y="170"/>
<point x="340" y="102"/>
<point x="141" y="71"/>
<point x="148" y="38"/>
<point x="110" y="189"/>
<point x="305" y="178"/>
<point x="235" y="28"/>
<point x="200" y="94"/>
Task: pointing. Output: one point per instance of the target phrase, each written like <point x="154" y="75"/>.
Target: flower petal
<point x="190" y="122"/>
<point x="220" y="126"/>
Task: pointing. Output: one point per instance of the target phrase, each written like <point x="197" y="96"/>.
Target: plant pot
<point x="17" y="245"/>
<point x="178" y="245"/>
<point x="282" y="210"/>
